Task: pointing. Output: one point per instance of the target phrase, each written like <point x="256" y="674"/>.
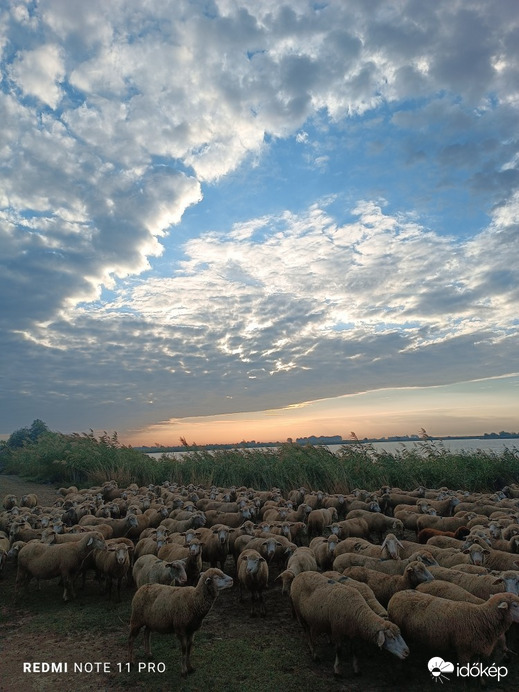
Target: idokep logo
<point x="438" y="667"/>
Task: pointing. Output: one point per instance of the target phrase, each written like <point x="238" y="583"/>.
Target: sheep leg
<point x="263" y="608"/>
<point x="147" y="642"/>
<point x="186" y="643"/>
<point x="134" y="631"/>
<point x="354" y="659"/>
<point x="337" y="666"/>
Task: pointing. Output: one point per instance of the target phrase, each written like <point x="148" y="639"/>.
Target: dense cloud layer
<point x="117" y="115"/>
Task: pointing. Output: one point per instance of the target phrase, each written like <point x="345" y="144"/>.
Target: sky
<point x="227" y="220"/>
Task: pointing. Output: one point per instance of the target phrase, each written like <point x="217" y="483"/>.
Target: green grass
<point x="85" y="460"/>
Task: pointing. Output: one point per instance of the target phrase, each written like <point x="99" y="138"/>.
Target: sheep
<point x="442" y="625"/>
<point x="61" y="560"/>
<point x="324" y="550"/>
<point x="345" y="560"/>
<point x="365" y="591"/>
<point x="179" y="609"/>
<point x="301" y="560"/>
<point x="355" y="527"/>
<point x="10" y="501"/>
<point x="447" y="589"/>
<point x="425" y="534"/>
<point x="215" y="542"/>
<point x="149" y="569"/>
<point x="197" y="520"/>
<point x="377" y="523"/>
<point x="265" y="546"/>
<point x="191" y="553"/>
<point x="113" y="562"/>
<point x="5" y="544"/>
<point x="385" y="585"/>
<point x="230" y="519"/>
<point x="391" y="547"/>
<point x="323" y="606"/>
<point x="318" y="519"/>
<point x="29" y="500"/>
<point x="253" y="575"/>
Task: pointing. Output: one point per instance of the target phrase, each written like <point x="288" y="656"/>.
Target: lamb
<point x="149" y="569"/>
<point x="178" y="609"/>
<point x="113" y="562"/>
<point x="442" y="625"/>
<point x="302" y="560"/>
<point x="323" y="606"/>
<point x="385" y="585"/>
<point x="58" y="560"/>
<point x="253" y="575"/>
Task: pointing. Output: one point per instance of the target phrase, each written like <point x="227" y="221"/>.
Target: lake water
<point x="486" y="445"/>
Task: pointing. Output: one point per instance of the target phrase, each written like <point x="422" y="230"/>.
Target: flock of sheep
<point x="341" y="559"/>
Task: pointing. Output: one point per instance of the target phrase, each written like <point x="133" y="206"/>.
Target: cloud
<point x="119" y="117"/>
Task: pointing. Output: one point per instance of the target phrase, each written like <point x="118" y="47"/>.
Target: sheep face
<point x="177" y="571"/>
<point x="121" y="553"/>
<point x="418" y="573"/>
<point x="217" y="581"/>
<point x="390" y="639"/>
<point x="512" y="606"/>
<point x="253" y="563"/>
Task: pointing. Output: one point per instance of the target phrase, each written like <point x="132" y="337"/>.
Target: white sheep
<point x="324" y="606"/>
<point x="179" y="609"/>
<point x="63" y="560"/>
<point x="443" y="625"/>
<point x="149" y="569"/>
<point x="253" y="575"/>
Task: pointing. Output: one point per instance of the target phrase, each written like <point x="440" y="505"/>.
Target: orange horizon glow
<point x="470" y="408"/>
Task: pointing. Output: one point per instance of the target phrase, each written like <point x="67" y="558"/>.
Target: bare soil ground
<point x="232" y="652"/>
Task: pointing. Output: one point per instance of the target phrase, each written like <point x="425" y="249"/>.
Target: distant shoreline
<point x="323" y="440"/>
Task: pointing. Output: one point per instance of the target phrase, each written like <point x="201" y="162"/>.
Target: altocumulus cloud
<point x="116" y="115"/>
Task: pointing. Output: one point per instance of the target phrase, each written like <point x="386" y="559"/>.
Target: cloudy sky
<point x="227" y="220"/>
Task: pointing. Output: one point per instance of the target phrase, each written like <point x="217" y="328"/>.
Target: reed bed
<point x="85" y="460"/>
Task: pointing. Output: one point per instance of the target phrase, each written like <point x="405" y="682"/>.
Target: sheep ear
<point x="381" y="638"/>
<point x="503" y="604"/>
<point x="498" y="581"/>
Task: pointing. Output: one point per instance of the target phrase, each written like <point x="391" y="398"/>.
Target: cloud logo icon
<point x="438" y="667"/>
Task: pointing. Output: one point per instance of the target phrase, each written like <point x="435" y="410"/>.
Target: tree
<point x="24" y="436"/>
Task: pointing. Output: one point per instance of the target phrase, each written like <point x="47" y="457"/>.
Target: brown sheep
<point x="323" y="606"/>
<point x="302" y="560"/>
<point x="64" y="560"/>
<point x="178" y="609"/>
<point x="385" y="585"/>
<point x="443" y="625"/>
<point x="253" y="575"/>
